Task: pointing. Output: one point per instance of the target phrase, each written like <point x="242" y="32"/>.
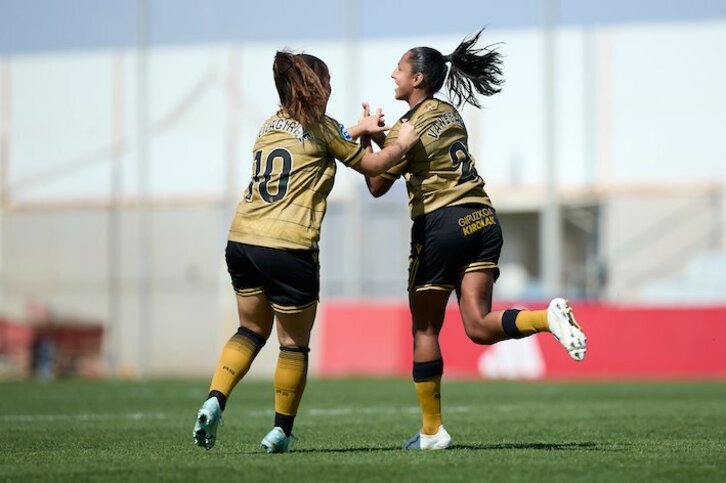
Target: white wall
<point x="658" y="108"/>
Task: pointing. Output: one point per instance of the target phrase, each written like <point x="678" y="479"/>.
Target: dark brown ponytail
<point x="303" y="84"/>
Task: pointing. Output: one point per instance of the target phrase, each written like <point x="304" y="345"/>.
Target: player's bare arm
<point x="378" y="185"/>
<point x="374" y="164"/>
<point x="377" y="137"/>
<point x="369" y="124"/>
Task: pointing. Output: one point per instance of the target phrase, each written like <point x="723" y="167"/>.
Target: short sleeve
<point x="339" y="143"/>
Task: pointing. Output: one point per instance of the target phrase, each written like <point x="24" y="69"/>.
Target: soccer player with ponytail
<point x="272" y="249"/>
<point x="456" y="234"/>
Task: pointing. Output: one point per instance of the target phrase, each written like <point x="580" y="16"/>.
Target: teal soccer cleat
<point x="276" y="442"/>
<point x="208" y="418"/>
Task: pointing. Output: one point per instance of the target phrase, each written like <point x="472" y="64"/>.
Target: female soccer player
<point x="272" y="252"/>
<point x="456" y="235"/>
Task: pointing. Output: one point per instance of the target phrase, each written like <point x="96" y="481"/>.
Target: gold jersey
<point x="439" y="170"/>
<point x="293" y="171"/>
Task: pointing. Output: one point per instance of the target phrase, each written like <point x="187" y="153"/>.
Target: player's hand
<point x="378" y="137"/>
<point x="366" y="111"/>
<point x="407" y="134"/>
<point x="372" y="124"/>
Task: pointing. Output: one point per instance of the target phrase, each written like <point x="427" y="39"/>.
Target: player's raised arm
<point x="373" y="125"/>
<point x="374" y="164"/>
<point x="378" y="133"/>
<point x="378" y="185"/>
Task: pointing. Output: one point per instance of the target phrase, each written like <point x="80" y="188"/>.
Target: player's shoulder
<point x="328" y="120"/>
<point x="332" y="126"/>
<point x="430" y="109"/>
<point x="434" y="106"/>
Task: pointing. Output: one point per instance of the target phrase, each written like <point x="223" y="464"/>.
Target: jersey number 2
<point x="460" y="159"/>
<point x="283" y="176"/>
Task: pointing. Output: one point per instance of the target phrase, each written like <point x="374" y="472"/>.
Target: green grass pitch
<point x="351" y="430"/>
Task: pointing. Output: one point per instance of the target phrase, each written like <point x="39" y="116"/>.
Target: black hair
<point x="472" y="70"/>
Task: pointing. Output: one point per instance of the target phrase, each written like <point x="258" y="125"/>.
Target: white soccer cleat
<point x="564" y="328"/>
<point x="276" y="442"/>
<point x="440" y="440"/>
<point x="205" y="428"/>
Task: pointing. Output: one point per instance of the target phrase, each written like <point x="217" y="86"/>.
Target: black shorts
<point x="451" y="241"/>
<point x="289" y="278"/>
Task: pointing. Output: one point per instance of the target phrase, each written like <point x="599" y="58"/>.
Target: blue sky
<point x="28" y="26"/>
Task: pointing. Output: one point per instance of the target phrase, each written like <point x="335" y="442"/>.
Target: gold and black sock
<point x="522" y="323"/>
<point x="427" y="380"/>
<point x="221" y="398"/>
<point x="290" y="378"/>
<point x="234" y="362"/>
<point x="509" y="324"/>
<point x="285" y="422"/>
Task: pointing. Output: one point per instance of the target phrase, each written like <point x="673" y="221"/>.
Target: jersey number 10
<point x="283" y="177"/>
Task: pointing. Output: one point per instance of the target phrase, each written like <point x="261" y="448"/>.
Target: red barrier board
<point x="366" y="338"/>
<point x="358" y="338"/>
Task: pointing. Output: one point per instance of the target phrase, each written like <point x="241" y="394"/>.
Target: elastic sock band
<point x="285" y="422"/>
<point x="424" y="371"/>
<point x="287" y="348"/>
<point x="221" y="398"/>
<point x="509" y="326"/>
<point x="253" y="336"/>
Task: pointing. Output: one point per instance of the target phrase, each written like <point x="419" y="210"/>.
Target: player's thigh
<point x="430" y="262"/>
<point x="475" y="294"/>
<point x="253" y="307"/>
<point x="480" y="270"/>
<point x="428" y="308"/>
<point x="291" y="278"/>
<point x="255" y="313"/>
<point x="293" y="329"/>
<point x="245" y="276"/>
<point x="451" y="241"/>
<point x="485" y="241"/>
<point x="291" y="284"/>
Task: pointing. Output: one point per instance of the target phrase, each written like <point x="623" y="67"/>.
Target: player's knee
<point x="480" y="335"/>
<point x="480" y="339"/>
<point x="427" y="331"/>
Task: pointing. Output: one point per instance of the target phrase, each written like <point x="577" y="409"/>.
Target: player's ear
<point x="418" y="79"/>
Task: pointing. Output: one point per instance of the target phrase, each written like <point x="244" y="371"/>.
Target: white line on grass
<point x="314" y="412"/>
<point x="81" y="417"/>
